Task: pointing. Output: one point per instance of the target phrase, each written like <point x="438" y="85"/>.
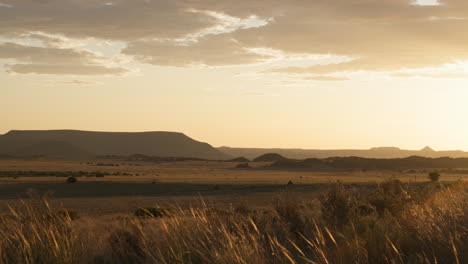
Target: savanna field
<point x="117" y="210"/>
<point x="233" y="132"/>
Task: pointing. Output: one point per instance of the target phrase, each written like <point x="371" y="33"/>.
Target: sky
<point x="322" y="74"/>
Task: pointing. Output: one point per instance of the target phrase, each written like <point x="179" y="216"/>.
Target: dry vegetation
<point x="245" y="216"/>
<point x="388" y="224"/>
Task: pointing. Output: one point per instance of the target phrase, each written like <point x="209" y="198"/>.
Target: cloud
<point x="433" y="75"/>
<point x="5" y="5"/>
<point x="63" y="69"/>
<point x="122" y="20"/>
<point x="80" y="82"/>
<point x="52" y="41"/>
<point x="427" y="2"/>
<point x="325" y="78"/>
<point x="48" y="60"/>
<point x="380" y="36"/>
<point x="219" y="50"/>
<point x="384" y="35"/>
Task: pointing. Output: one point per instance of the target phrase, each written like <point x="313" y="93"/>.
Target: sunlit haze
<point x="321" y="74"/>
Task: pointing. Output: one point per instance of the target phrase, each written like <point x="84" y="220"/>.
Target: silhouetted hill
<point x="52" y="149"/>
<point x="358" y="163"/>
<point x="269" y="157"/>
<point x="239" y="159"/>
<point x="71" y="143"/>
<point x="380" y="153"/>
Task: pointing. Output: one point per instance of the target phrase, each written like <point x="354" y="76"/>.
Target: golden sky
<point x="265" y="73"/>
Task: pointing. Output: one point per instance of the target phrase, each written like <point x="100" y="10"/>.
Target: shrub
<point x="243" y="166"/>
<point x="242" y="209"/>
<point x="434" y="176"/>
<point x="72" y="179"/>
<point x="289" y="209"/>
<point x="126" y="247"/>
<point x="337" y="205"/>
<point x="390" y="196"/>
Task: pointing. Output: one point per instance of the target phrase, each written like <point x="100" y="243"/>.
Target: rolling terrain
<point x="377" y="153"/>
<point x="74" y="143"/>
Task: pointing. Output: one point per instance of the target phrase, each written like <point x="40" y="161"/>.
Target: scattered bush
<point x="126" y="247"/>
<point x="289" y="209"/>
<point x="391" y="196"/>
<point x="337" y="206"/>
<point x="434" y="176"/>
<point x="243" y="166"/>
<point x="72" y="179"/>
<point x="243" y="209"/>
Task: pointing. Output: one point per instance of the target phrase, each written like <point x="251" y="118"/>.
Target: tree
<point x="433" y="176"/>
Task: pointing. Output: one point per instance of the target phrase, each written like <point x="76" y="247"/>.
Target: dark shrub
<point x="99" y="174"/>
<point x="243" y="166"/>
<point x="434" y="176"/>
<point x="242" y="209"/>
<point x="289" y="209"/>
<point x="391" y="196"/>
<point x="126" y="247"/>
<point x="337" y="205"/>
<point x="72" y="179"/>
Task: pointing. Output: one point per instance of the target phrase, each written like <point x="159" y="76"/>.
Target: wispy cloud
<point x="50" y="60"/>
<point x="326" y="78"/>
<point x="5" y="5"/>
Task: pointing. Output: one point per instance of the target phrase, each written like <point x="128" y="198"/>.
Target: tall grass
<point x="391" y="224"/>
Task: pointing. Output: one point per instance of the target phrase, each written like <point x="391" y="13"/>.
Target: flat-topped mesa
<point x="91" y="143"/>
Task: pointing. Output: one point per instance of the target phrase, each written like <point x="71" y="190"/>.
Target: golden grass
<point x="429" y="228"/>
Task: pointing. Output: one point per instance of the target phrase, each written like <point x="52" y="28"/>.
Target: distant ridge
<point x="269" y="157"/>
<point x="379" y="153"/>
<point x="76" y="143"/>
<point x="357" y="163"/>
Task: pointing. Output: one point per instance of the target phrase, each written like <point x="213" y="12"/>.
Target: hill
<point x="72" y="143"/>
<point x="269" y="157"/>
<point x="358" y="163"/>
<point x="378" y="153"/>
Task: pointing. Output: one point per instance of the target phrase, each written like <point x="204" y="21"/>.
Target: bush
<point x="289" y="208"/>
<point x="243" y="166"/>
<point x="126" y="247"/>
<point x="434" y="176"/>
<point x="243" y="209"/>
<point x="72" y="179"/>
<point x="337" y="206"/>
<point x="391" y="196"/>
